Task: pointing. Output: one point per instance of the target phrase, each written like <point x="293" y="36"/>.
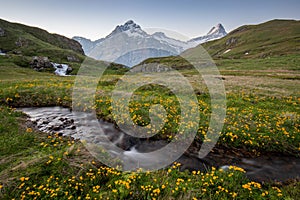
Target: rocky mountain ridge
<point x="129" y="44"/>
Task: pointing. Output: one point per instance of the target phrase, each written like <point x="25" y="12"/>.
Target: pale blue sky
<point x="95" y="19"/>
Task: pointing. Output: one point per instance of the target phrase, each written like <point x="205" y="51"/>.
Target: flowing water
<point x="61" y="120"/>
<point x="60" y="69"/>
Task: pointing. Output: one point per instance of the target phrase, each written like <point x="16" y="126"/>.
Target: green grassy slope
<point x="273" y="45"/>
<point x="272" y="38"/>
<point x="14" y="31"/>
<point x="22" y="42"/>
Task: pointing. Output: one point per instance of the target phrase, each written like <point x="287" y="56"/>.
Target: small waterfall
<point x="60" y="69"/>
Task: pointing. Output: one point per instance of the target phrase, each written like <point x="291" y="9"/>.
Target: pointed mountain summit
<point x="219" y="29"/>
<point x="215" y="32"/>
<point x="130" y="26"/>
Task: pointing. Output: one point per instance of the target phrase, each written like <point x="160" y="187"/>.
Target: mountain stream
<point x="269" y="167"/>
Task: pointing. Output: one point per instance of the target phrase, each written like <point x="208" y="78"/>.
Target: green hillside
<point x="21" y="43"/>
<point x="273" y="45"/>
<point x="14" y="33"/>
<point x="272" y="38"/>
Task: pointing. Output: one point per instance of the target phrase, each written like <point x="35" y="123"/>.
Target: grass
<point x="262" y="116"/>
<point x="36" y="165"/>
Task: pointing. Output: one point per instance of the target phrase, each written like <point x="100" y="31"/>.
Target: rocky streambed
<point x="267" y="167"/>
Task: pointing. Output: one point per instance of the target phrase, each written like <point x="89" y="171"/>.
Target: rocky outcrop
<point x="21" y="42"/>
<point x="69" y="70"/>
<point x="151" y="67"/>
<point x="231" y="41"/>
<point x="72" y="58"/>
<point x="39" y="63"/>
<point x="2" y="32"/>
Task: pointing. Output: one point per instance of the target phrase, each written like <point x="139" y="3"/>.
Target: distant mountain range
<point x="19" y="44"/>
<point x="129" y="44"/>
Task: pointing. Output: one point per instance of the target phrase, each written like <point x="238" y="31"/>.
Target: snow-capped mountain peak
<point x="215" y="32"/>
<point x="218" y="29"/>
<point x="129" y="26"/>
